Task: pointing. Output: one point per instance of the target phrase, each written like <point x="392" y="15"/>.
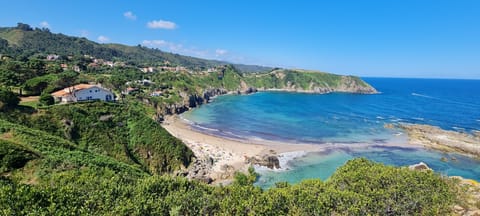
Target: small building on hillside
<point x="156" y="93"/>
<point x="130" y="90"/>
<point x="83" y="92"/>
<point x="52" y="57"/>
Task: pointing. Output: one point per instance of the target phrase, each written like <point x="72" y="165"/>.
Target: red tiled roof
<point x="69" y="90"/>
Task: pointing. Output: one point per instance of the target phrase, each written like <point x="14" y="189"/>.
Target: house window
<point x="90" y="91"/>
<point x="89" y="98"/>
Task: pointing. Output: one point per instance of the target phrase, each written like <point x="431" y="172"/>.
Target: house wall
<point x="66" y="99"/>
<point x="93" y="93"/>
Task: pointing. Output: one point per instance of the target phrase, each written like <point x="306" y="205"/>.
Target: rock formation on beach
<point x="268" y="160"/>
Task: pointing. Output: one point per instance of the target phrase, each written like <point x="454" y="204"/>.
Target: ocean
<point x="349" y="119"/>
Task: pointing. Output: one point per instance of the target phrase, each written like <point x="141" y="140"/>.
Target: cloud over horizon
<point x="220" y="52"/>
<point x="129" y="15"/>
<point x="44" y="24"/>
<point x="176" y="48"/>
<point x="161" y="24"/>
<point x="103" y="39"/>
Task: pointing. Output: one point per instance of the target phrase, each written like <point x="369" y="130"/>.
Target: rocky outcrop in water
<point x="270" y="161"/>
<point x="444" y="140"/>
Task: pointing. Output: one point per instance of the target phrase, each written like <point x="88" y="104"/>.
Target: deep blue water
<point x="349" y="118"/>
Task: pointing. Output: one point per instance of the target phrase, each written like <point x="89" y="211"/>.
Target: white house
<point x="83" y="92"/>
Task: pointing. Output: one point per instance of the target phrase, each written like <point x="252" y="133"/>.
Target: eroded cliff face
<point x="189" y="101"/>
<point x="289" y="81"/>
<point x="354" y="85"/>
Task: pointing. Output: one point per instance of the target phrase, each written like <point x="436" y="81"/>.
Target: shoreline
<point x="227" y="155"/>
<point x="218" y="158"/>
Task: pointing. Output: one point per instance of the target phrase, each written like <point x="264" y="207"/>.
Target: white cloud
<point x="129" y="15"/>
<point x="103" y="39"/>
<point x="44" y="24"/>
<point x="176" y="48"/>
<point x="154" y="43"/>
<point x="161" y="24"/>
<point x="220" y="52"/>
<point x="173" y="47"/>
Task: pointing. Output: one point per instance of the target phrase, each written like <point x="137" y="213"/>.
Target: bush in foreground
<point x="360" y="187"/>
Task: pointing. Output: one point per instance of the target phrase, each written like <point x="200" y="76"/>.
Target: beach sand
<point x="227" y="152"/>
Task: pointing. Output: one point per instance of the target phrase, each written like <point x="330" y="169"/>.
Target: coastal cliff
<point x="196" y="89"/>
<point x="309" y="82"/>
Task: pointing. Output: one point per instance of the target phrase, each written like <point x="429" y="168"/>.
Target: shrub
<point x="46" y="99"/>
<point x="8" y="99"/>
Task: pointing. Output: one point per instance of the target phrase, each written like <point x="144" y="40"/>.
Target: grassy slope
<point x="14" y="37"/>
<point x="93" y="134"/>
<point x="45" y="154"/>
<point x="48" y="43"/>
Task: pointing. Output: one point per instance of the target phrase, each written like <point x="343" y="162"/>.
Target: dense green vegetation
<point x="376" y="190"/>
<point x="93" y="135"/>
<point x="23" y="42"/>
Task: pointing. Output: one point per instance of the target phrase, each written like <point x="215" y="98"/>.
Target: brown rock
<point x="473" y="213"/>
<point x="270" y="161"/>
<point x="420" y="167"/>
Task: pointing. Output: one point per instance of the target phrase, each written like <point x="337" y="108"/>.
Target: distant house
<point x="129" y="90"/>
<point x="109" y="63"/>
<point x="64" y="66"/>
<point x="148" y="69"/>
<point x="156" y="93"/>
<point x="52" y="57"/>
<point x="83" y="92"/>
<point x="93" y="65"/>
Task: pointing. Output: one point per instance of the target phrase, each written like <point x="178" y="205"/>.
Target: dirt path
<point x="29" y="99"/>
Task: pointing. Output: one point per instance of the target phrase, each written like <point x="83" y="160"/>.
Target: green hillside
<point x="92" y="134"/>
<point x="24" y="41"/>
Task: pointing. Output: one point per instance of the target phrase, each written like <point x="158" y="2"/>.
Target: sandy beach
<point x="227" y="152"/>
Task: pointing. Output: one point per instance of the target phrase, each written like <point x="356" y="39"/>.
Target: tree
<point x="46" y="99"/>
<point x="8" y="99"/>
<point x="24" y="27"/>
<point x="3" y="44"/>
<point x="8" y="77"/>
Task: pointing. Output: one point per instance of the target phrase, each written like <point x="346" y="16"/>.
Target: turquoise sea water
<point x="351" y="119"/>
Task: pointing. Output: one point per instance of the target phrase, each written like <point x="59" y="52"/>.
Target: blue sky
<point x="389" y="38"/>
